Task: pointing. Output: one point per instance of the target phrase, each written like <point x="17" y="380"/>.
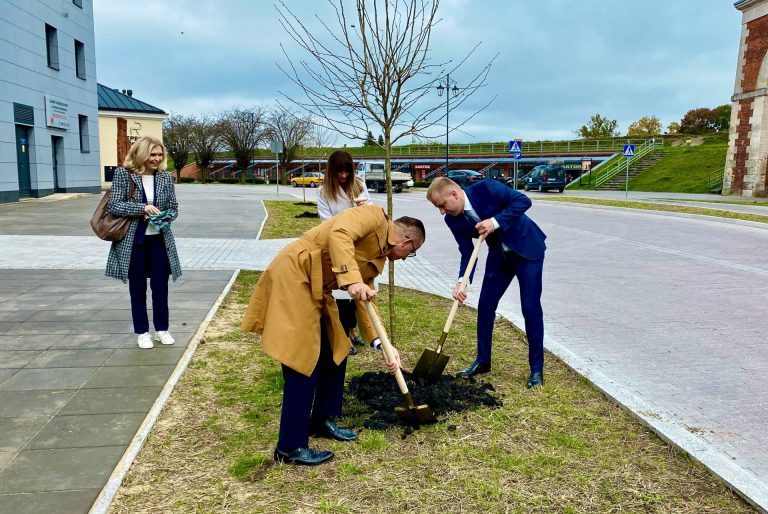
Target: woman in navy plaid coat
<point x="146" y="251"/>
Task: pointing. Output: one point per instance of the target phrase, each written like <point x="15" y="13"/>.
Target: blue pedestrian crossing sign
<point x="629" y="150"/>
<point x="516" y="148"/>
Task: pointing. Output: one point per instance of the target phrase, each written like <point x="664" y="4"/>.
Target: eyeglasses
<point x="413" y="245"/>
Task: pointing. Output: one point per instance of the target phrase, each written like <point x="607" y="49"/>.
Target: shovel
<point x="410" y="414"/>
<point x="432" y="362"/>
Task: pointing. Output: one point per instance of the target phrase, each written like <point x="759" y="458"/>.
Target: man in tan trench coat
<point x="293" y="310"/>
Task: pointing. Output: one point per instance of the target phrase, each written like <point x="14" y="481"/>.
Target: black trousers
<point x="149" y="259"/>
<point x="347" y="314"/>
<point x="310" y="400"/>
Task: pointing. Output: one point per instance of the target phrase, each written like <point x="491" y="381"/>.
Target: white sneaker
<point x="164" y="337"/>
<point x="145" y="341"/>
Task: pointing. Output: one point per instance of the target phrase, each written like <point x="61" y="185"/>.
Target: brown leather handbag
<point x="105" y="224"/>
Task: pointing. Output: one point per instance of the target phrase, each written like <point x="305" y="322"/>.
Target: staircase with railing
<point x="435" y="171"/>
<point x="615" y="176"/>
<point x="715" y="180"/>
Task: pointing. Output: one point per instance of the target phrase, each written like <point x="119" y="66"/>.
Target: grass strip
<point x="283" y="221"/>
<point x="563" y="448"/>
<point x="652" y="206"/>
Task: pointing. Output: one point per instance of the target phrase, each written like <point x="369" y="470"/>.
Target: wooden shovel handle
<point x="463" y="285"/>
<point x="386" y="346"/>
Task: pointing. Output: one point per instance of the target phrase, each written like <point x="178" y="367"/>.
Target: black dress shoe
<point x="536" y="380"/>
<point x="357" y="341"/>
<point x="353" y="350"/>
<point x="476" y="368"/>
<point x="330" y="430"/>
<point x="303" y="456"/>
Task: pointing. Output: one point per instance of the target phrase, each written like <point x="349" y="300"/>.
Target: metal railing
<point x="435" y="171"/>
<point x="715" y="179"/>
<point x="529" y="147"/>
<point x="619" y="164"/>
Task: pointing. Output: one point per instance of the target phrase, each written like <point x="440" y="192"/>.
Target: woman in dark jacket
<point x="148" y="250"/>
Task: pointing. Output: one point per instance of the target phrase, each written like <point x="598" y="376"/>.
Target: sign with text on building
<point x="586" y="164"/>
<point x="422" y="166"/>
<point x="56" y="112"/>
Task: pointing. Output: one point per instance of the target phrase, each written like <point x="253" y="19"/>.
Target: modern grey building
<point x="49" y="136"/>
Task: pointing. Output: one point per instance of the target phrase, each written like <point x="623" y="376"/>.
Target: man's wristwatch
<point x="376" y="344"/>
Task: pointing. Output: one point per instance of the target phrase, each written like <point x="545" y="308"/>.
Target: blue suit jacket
<point x="492" y="199"/>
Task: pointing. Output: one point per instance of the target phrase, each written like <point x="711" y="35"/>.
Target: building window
<point x="78" y="3"/>
<point x="85" y="144"/>
<point x="52" y="45"/>
<point x="80" y="59"/>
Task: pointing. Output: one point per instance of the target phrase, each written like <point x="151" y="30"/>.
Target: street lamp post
<point x="448" y="90"/>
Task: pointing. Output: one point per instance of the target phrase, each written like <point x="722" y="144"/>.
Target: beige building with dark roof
<point x="123" y="119"/>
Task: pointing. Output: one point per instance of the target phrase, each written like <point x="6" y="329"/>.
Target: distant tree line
<point x="240" y="131"/>
<point x="701" y="120"/>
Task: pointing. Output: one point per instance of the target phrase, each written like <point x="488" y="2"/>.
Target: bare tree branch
<point x="374" y="71"/>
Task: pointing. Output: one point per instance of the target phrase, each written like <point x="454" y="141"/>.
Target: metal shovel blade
<point x="431" y="364"/>
<point x="415" y="414"/>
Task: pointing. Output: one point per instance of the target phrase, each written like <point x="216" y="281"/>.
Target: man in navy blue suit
<point x="515" y="249"/>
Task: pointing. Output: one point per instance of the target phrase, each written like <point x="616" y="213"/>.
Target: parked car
<point x="522" y="178"/>
<point x="546" y="177"/>
<point x="464" y="177"/>
<point x="311" y="179"/>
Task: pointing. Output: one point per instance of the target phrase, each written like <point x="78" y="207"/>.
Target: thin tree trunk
<point x="388" y="178"/>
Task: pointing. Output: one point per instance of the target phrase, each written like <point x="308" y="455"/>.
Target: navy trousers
<point x="310" y="400"/>
<point x="506" y="266"/>
<point x="149" y="259"/>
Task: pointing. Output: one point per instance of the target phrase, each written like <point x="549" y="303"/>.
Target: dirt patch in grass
<point x="562" y="448"/>
<point x="378" y="392"/>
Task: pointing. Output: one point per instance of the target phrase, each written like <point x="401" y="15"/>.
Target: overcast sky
<point x="559" y="61"/>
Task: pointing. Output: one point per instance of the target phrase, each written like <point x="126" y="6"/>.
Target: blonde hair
<point x="441" y="185"/>
<point x="341" y="161"/>
<point x="138" y="155"/>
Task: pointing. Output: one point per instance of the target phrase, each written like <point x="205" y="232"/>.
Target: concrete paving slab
<point x="48" y="378"/>
<point x="15" y="433"/>
<point x="138" y="357"/>
<point x="15" y="404"/>
<point x="5" y="374"/>
<point x="86" y="341"/>
<point x="48" y="502"/>
<point x="59" y="469"/>
<point x="70" y="358"/>
<point x="17" y="358"/>
<point x="87" y="430"/>
<point x="128" y="376"/>
<point x="111" y="400"/>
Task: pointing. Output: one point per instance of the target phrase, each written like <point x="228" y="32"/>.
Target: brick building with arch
<point x="747" y="159"/>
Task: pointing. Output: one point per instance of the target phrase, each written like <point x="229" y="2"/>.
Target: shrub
<point x="186" y="180"/>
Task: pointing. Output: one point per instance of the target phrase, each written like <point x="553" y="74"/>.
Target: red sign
<point x="422" y="166"/>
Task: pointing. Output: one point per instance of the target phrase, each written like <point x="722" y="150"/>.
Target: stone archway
<point x="747" y="159"/>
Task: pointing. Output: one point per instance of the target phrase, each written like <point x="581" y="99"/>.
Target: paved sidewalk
<point x="74" y="388"/>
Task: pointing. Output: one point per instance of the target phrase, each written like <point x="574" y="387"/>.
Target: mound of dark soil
<point x="380" y="394"/>
<point x="307" y="214"/>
